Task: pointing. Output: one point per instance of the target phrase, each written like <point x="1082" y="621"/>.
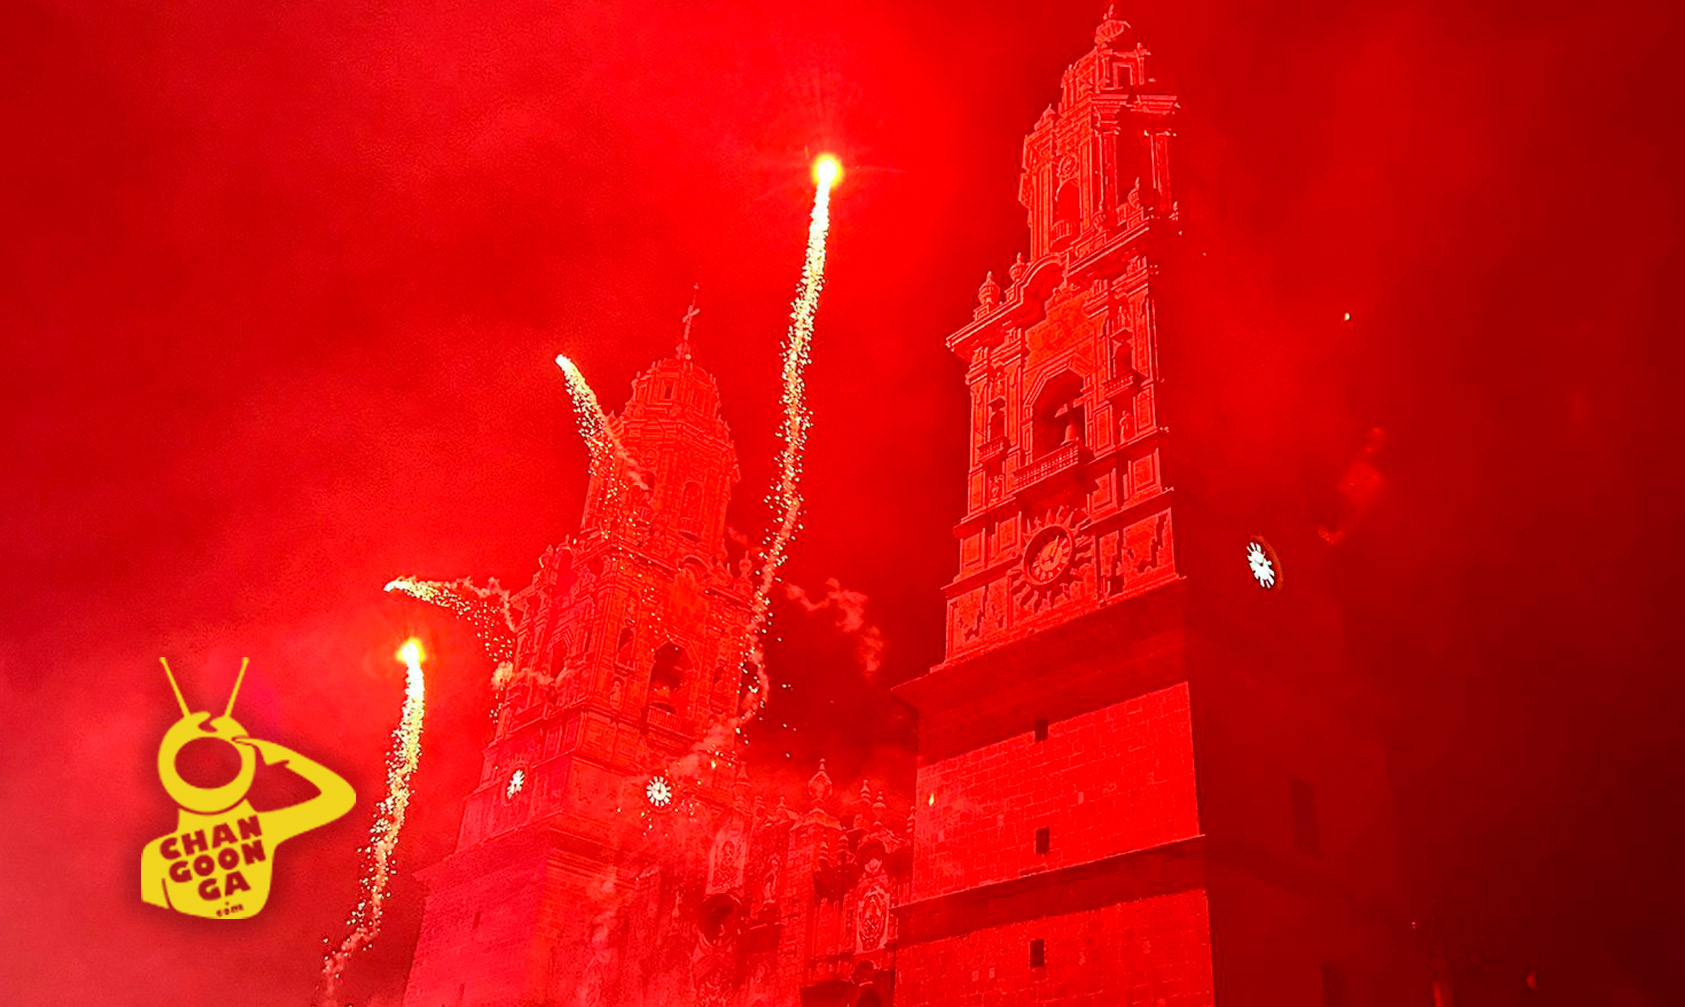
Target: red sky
<point x="283" y="285"/>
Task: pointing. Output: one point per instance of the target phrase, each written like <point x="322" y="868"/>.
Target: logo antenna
<point x="229" y="712"/>
<point x="185" y="712"/>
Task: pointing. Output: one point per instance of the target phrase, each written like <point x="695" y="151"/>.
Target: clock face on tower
<point x="1261" y="561"/>
<point x="1048" y="555"/>
<point x="1049" y="571"/>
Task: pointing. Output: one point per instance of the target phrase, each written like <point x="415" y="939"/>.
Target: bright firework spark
<point x="486" y="609"/>
<point x="597" y="431"/>
<point x="827" y="171"/>
<point x="1258" y="559"/>
<point x="363" y="925"/>
<point x="786" y="489"/>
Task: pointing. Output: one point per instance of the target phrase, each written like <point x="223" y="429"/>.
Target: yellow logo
<point x="218" y="862"/>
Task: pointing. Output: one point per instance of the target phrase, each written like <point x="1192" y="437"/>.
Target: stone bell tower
<point x="628" y="652"/>
<point x="1067" y="506"/>
<point x="1142" y="779"/>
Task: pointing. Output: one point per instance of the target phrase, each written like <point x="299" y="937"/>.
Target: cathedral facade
<point x="1140" y="782"/>
<point x="614" y="851"/>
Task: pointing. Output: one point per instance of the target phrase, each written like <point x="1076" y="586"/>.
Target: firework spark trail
<point x="485" y="609"/>
<point x="363" y="923"/>
<point x="594" y="425"/>
<point x="597" y="431"/>
<point x="786" y="495"/>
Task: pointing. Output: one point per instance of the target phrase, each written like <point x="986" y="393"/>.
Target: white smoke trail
<point x="848" y="611"/>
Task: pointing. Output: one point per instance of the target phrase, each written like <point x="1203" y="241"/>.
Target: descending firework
<point x="599" y="436"/>
<point x="486" y="609"/>
<point x="786" y="496"/>
<point x="363" y="924"/>
<point x="594" y="426"/>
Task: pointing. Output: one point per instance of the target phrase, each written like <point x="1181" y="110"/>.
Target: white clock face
<point x="659" y="792"/>
<point x="517" y="780"/>
<point x="1261" y="562"/>
<point x="1048" y="555"/>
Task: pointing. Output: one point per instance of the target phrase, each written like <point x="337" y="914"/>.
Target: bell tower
<point x="670" y="489"/>
<point x="1067" y="505"/>
<point x="626" y="643"/>
<point x="1144" y="777"/>
<point x="627" y="661"/>
<point x="1103" y="145"/>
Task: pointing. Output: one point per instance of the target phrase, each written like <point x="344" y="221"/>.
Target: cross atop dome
<point x="683" y="351"/>
<point x="1112" y="28"/>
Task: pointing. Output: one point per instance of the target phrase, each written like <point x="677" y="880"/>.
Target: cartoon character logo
<point x="218" y="861"/>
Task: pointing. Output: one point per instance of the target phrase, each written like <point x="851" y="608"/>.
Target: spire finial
<point x="683" y="351"/>
<point x="1113" y="29"/>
